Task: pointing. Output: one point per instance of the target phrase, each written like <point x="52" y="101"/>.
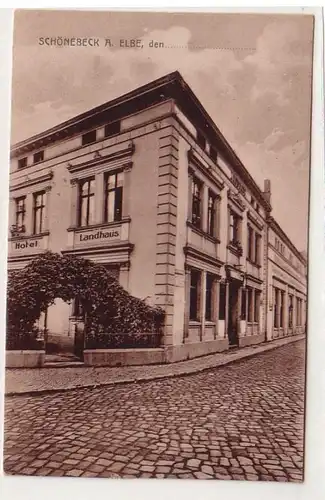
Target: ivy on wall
<point x="109" y="309"/>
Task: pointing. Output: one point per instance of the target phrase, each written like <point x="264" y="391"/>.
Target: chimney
<point x="267" y="190"/>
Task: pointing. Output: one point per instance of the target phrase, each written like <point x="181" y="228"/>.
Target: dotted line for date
<point x="202" y="47"/>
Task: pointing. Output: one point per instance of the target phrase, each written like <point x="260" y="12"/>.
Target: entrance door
<point x="233" y="313"/>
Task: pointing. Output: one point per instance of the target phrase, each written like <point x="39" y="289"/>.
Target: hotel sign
<point x="27" y="245"/>
<point x="97" y="236"/>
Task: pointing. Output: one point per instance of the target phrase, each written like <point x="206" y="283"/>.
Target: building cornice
<point x="31" y="182"/>
<point x="279" y="231"/>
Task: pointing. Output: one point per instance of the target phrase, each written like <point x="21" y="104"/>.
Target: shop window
<point x="222" y="301"/>
<point x="243" y="305"/>
<point x="38" y="212"/>
<point x="195" y="295"/>
<point x="290" y="312"/>
<point x="209" y="297"/>
<point x="250" y="305"/>
<point x="257" y="297"/>
<point x="113" y="197"/>
<point x="86" y="206"/>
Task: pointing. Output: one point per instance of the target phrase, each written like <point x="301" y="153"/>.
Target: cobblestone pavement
<point x="241" y="421"/>
<point x="49" y="379"/>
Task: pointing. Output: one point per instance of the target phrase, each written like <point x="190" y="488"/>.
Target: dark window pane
<point x="209" y="297"/>
<point x="22" y="162"/>
<point x="89" y="137"/>
<point x="222" y="301"/>
<point x="112" y="129"/>
<point x="194" y="295"/>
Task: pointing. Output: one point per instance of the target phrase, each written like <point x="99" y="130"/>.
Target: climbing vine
<point x="109" y="309"/>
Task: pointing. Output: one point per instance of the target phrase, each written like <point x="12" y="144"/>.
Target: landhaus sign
<point x="98" y="236"/>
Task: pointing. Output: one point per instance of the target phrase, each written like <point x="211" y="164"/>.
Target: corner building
<point x="147" y="186"/>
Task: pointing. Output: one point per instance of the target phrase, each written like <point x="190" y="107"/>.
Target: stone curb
<point x="237" y="357"/>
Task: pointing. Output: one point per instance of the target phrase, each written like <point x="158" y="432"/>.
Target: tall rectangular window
<point x="234" y="228"/>
<point x="257" y="306"/>
<point x="212" y="214"/>
<point x="86" y="209"/>
<point x="38" y="212"/>
<point x="196" y="203"/>
<point x="209" y="297"/>
<point x="281" y="309"/>
<point x="275" y="308"/>
<point x="222" y="301"/>
<point x="89" y="137"/>
<point x="250" y="245"/>
<point x="243" y="304"/>
<point x="113" y="196"/>
<point x="201" y="140"/>
<point x="195" y="295"/>
<point x="257" y="257"/>
<point x="250" y="305"/>
<point x="290" y="311"/>
<point x="20" y="212"/>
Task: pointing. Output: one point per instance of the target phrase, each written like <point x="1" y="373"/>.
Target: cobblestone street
<point x="241" y="421"/>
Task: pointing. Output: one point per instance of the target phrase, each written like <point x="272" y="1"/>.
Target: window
<point x="38" y="212"/>
<point x="222" y="301"/>
<point x="86" y="208"/>
<point x="250" y="305"/>
<point x="275" y="308"/>
<point x="20" y="212"/>
<point x="212" y="212"/>
<point x="196" y="203"/>
<point x="22" y="162"/>
<point x="290" y="311"/>
<point x="213" y="154"/>
<point x="113" y="197"/>
<point x="250" y="243"/>
<point x="257" y="256"/>
<point x="195" y="295"/>
<point x="281" y="309"/>
<point x="89" y="137"/>
<point x="209" y="297"/>
<point x="257" y="306"/>
<point x="112" y="129"/>
<point x="201" y="140"/>
<point x="243" y="305"/>
<point x="39" y="156"/>
<point x="234" y="236"/>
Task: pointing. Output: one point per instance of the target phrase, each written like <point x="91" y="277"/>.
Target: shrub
<point x="109" y="309"/>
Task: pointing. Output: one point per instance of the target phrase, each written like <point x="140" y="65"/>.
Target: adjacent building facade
<point x="147" y="186"/>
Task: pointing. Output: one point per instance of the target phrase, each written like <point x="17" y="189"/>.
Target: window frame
<point x="35" y="155"/>
<point x="212" y="214"/>
<point x="82" y="197"/>
<point x="39" y="209"/>
<point x="85" y="141"/>
<point x="194" y="312"/>
<point x="19" y="211"/>
<point x="196" y="201"/>
<point x="22" y="162"/>
<point x="118" y="210"/>
<point x="209" y="296"/>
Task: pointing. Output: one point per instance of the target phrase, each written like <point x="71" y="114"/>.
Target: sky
<point x="251" y="72"/>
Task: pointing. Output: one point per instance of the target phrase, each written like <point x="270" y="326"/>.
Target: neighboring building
<point x="147" y="186"/>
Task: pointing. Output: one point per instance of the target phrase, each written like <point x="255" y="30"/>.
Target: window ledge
<point x="25" y="236"/>
<point x="254" y="263"/>
<point x="124" y="220"/>
<point x="200" y="231"/>
<point x="234" y="249"/>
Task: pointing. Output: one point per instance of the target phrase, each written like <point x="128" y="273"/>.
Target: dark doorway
<point x="233" y="313"/>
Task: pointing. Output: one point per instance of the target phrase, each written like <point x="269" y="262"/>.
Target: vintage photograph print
<point x="157" y="245"/>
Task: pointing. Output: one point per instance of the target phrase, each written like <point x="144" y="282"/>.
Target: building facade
<point x="147" y="186"/>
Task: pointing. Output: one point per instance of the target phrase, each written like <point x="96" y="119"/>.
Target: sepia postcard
<point x="158" y="245"/>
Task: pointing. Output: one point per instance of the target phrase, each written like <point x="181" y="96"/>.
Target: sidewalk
<point x="44" y="380"/>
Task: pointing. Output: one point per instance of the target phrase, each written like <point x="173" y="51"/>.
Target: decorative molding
<point x="235" y="198"/>
<point x="198" y="254"/>
<point x="254" y="220"/>
<point x="31" y="182"/>
<point x="104" y="225"/>
<point x="205" y="169"/>
<point x="111" y="157"/>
